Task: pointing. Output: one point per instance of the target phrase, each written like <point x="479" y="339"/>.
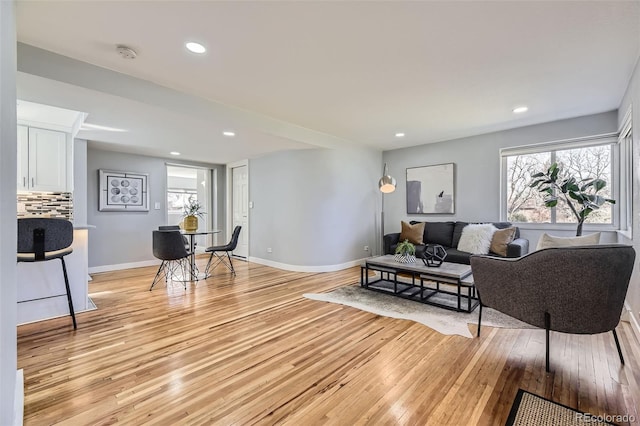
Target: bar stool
<point x="42" y="239"/>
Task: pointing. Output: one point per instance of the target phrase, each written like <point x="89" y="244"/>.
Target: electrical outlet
<point x="269" y="250"/>
<point x="366" y="248"/>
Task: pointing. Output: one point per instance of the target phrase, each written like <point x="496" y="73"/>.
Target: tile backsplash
<point x="45" y="204"/>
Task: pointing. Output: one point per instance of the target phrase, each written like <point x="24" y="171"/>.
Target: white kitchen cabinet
<point x="44" y="160"/>
<point x="23" y="158"/>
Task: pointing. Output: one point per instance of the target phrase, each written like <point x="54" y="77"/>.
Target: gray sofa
<point x="447" y="234"/>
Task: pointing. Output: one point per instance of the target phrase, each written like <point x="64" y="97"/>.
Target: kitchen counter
<point x="41" y="291"/>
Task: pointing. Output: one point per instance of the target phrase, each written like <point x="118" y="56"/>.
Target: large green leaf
<point x="578" y="196"/>
<point x="585" y="212"/>
<point x="599" y="184"/>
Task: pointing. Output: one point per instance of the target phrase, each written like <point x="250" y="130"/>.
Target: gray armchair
<point x="578" y="290"/>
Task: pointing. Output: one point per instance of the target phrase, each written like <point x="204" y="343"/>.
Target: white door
<point x="240" y="203"/>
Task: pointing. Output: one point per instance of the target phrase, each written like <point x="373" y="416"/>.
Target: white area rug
<point x="441" y="320"/>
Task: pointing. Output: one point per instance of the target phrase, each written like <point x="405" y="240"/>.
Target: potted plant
<point x="192" y="210"/>
<point x="580" y="196"/>
<point x="405" y="252"/>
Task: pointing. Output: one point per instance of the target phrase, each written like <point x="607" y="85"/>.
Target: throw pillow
<point x="501" y="239"/>
<point x="476" y="238"/>
<point x="549" y="241"/>
<point x="413" y="233"/>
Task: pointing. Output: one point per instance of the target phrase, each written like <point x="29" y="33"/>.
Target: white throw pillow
<point x="476" y="238"/>
<point x="549" y="241"/>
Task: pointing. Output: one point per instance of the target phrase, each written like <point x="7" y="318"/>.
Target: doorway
<point x="184" y="183"/>
<point x="238" y="202"/>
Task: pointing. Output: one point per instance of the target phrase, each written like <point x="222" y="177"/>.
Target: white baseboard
<point x="303" y="268"/>
<point x="120" y="266"/>
<point x="628" y="315"/>
<point x="18" y="402"/>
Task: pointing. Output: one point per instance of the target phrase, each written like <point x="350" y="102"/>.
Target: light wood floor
<point x="252" y="350"/>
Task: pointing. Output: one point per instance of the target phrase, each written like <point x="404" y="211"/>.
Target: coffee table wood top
<point x="447" y="269"/>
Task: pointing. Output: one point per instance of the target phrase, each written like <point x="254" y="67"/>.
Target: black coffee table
<point x="449" y="286"/>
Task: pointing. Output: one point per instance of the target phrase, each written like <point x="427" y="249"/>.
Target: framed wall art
<point x="123" y="191"/>
<point x="430" y="189"/>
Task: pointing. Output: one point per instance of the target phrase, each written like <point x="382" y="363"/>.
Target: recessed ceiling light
<point x="399" y="135"/>
<point x="520" y="109"/>
<point x="174" y="153"/>
<point x="195" y="47"/>
<point x="229" y="133"/>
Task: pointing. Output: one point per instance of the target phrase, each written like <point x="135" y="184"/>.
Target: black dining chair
<point x="177" y="228"/>
<point x="42" y="239"/>
<point x="169" y="247"/>
<point x="222" y="253"/>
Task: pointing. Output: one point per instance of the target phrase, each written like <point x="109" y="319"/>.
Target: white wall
<point x="632" y="99"/>
<point x="8" y="160"/>
<point x="125" y="237"/>
<point x="314" y="208"/>
<point x="477" y="159"/>
<point x="80" y="181"/>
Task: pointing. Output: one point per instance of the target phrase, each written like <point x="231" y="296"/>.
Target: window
<point x="177" y="199"/>
<point x="587" y="158"/>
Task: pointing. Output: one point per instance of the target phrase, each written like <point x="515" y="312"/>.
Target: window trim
<point x="625" y="141"/>
<point x="559" y="145"/>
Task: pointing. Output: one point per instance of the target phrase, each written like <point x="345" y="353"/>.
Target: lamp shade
<point x="386" y="184"/>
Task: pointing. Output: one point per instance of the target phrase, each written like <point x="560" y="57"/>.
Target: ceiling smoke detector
<point x="126" y="52"/>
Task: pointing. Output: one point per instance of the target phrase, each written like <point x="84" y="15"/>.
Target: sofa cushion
<point x="548" y="241"/>
<point x="457" y="232"/>
<point x="412" y="232"/>
<point x="504" y="225"/>
<point x="438" y="233"/>
<point x="501" y="239"/>
<point x="457" y="256"/>
<point x="476" y="238"/>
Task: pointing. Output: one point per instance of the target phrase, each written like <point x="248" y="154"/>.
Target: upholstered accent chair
<point x="577" y="290"/>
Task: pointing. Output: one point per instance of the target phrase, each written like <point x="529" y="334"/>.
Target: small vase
<point x="190" y="223"/>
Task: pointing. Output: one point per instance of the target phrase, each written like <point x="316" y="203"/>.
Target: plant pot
<point x="405" y="258"/>
<point x="190" y="223"/>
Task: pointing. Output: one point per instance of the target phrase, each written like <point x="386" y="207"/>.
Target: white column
<point x="9" y="413"/>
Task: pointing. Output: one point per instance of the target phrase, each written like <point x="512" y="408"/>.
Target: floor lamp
<point x="387" y="184"/>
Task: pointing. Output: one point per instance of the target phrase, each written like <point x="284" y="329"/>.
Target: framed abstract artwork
<point x="123" y="191"/>
<point x="431" y="189"/>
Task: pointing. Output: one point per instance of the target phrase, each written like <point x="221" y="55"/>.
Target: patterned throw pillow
<point x="502" y="238"/>
<point x="413" y="233"/>
<point x="476" y="239"/>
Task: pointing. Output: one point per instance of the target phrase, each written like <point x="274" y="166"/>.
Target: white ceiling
<point x="292" y="72"/>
